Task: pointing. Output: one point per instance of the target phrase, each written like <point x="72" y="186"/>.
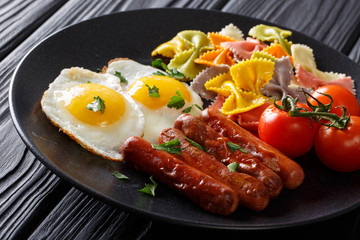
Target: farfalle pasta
<point x="184" y="49"/>
<point x="241" y="74"/>
<point x="311" y="77"/>
<point x="242" y="85"/>
<point x="272" y="34"/>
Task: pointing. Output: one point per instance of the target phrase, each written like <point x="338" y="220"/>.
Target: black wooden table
<point x="36" y="204"/>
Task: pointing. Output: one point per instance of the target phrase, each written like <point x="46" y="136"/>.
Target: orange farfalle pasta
<point x="216" y="57"/>
<point x="277" y="51"/>
<point x="242" y="85"/>
<point x="216" y="39"/>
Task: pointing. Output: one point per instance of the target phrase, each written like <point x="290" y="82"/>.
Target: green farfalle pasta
<point x="184" y="48"/>
<point x="272" y="34"/>
<point x="184" y="61"/>
<point x="263" y="55"/>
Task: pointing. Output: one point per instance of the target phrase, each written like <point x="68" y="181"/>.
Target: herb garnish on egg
<point x="188" y="109"/>
<point x="153" y="91"/>
<point x="173" y="73"/>
<point x="177" y="101"/>
<point x="122" y="79"/>
<point x="97" y="105"/>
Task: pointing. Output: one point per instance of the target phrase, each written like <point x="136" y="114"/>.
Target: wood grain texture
<point x="20" y="18"/>
<point x="335" y="23"/>
<point x="79" y="216"/>
<point x="36" y="203"/>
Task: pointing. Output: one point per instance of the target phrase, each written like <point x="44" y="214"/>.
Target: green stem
<point x="317" y="114"/>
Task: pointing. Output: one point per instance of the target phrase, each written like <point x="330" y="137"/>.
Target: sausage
<point x="207" y="192"/>
<point x="252" y="193"/>
<point x="290" y="172"/>
<point x="216" y="145"/>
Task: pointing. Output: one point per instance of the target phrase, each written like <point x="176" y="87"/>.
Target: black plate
<point x="135" y="34"/>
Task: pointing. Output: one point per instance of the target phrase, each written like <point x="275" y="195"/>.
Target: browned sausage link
<point x="290" y="172"/>
<point x="216" y="145"/>
<point x="204" y="190"/>
<point x="252" y="193"/>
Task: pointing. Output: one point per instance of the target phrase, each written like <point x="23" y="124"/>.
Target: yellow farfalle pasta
<point x="242" y="85"/>
<point x="171" y="48"/>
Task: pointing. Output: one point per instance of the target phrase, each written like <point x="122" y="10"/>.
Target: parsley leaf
<point x="176" y="101"/>
<point x="149" y="188"/>
<point x="233" y="167"/>
<point x="173" y="73"/>
<point x="122" y="79"/>
<point x="233" y="147"/>
<point x="188" y="109"/>
<point x="170" y="147"/>
<point x="120" y="176"/>
<point x="159" y="73"/>
<point x="153" y="92"/>
<point x="97" y="105"/>
<point x="195" y="144"/>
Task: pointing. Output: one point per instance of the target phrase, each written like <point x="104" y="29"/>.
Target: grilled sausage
<point x="290" y="172"/>
<point x="252" y="193"/>
<point x="216" y="145"/>
<point x="204" y="190"/>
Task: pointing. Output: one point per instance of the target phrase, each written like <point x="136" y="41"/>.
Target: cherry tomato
<point x="340" y="149"/>
<point x="341" y="97"/>
<point x="294" y="136"/>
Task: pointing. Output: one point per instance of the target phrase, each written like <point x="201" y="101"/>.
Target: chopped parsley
<point x="195" y="144"/>
<point x="173" y="73"/>
<point x="170" y="147"/>
<point x="97" y="105"/>
<point x="122" y="79"/>
<point x="233" y="147"/>
<point x="120" y="176"/>
<point x="188" y="109"/>
<point x="149" y="188"/>
<point x="233" y="167"/>
<point x="177" y="101"/>
<point x="153" y="92"/>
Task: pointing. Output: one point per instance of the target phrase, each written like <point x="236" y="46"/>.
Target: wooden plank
<point x="332" y="22"/>
<point x="355" y="51"/>
<point x="20" y="18"/>
<point x="78" y="216"/>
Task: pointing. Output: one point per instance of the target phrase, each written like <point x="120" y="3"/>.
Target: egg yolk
<point x="82" y="95"/>
<point x="167" y="88"/>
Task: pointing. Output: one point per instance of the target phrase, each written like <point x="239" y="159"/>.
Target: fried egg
<point x="72" y="102"/>
<point x="158" y="115"/>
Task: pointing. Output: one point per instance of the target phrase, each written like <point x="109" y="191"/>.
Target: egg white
<point x="156" y="120"/>
<point x="130" y="70"/>
<point x="105" y="141"/>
